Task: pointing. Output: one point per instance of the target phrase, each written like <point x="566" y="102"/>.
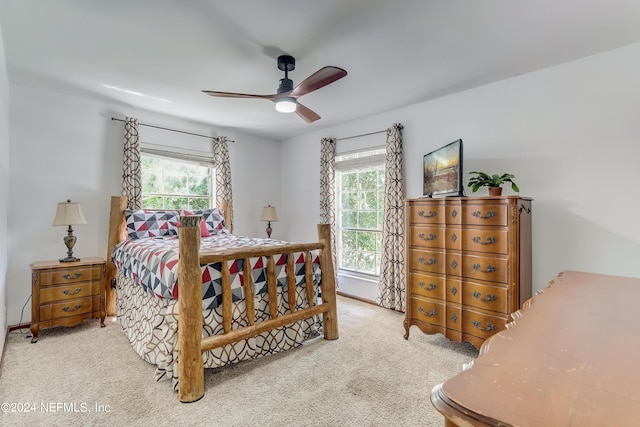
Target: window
<point x="360" y="210"/>
<point x="169" y="183"/>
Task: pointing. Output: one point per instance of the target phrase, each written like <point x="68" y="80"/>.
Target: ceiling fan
<point x="286" y="97"/>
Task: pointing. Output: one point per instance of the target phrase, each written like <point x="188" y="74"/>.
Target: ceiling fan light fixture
<point x="286" y="105"/>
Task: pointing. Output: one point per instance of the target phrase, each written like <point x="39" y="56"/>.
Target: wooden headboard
<point x="118" y="233"/>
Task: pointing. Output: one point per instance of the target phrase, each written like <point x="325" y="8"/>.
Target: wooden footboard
<point x="190" y="341"/>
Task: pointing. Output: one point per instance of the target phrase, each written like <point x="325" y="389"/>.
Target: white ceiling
<point x="158" y="55"/>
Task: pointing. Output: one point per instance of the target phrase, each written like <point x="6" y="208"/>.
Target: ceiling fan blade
<point x="317" y="80"/>
<point x="238" y="95"/>
<point x="307" y="115"/>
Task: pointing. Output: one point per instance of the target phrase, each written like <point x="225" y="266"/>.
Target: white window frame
<point x="183" y="158"/>
<point x="362" y="160"/>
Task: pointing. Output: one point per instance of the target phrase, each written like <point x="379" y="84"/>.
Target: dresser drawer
<point x="485" y="240"/>
<point x="70" y="308"/>
<point x="484" y="214"/>
<point x="491" y="269"/>
<point x="427" y="237"/>
<point x="453" y="238"/>
<point x="454" y="290"/>
<point x="487" y="297"/>
<point x="427" y="285"/>
<point x="427" y="261"/>
<point x="71" y="291"/>
<point x="426" y="310"/>
<point x="482" y="325"/>
<point x="454" y="317"/>
<point x="61" y="276"/>
<point x="426" y="214"/>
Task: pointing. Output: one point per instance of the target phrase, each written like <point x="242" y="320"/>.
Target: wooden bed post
<point x="190" y="365"/>
<point x="227" y="206"/>
<point x="117" y="233"/>
<point x="329" y="318"/>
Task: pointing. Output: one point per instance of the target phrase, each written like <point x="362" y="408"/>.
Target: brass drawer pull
<point x="431" y="261"/>
<point x="489" y="215"/>
<point x="69" y="309"/>
<point x="477" y="295"/>
<point x="68" y="276"/>
<point x="490" y="326"/>
<point x="490" y="240"/>
<point x="432" y="286"/>
<point x="490" y="268"/>
<point x="424" y="237"/>
<point x="68" y="292"/>
<point x="431" y="214"/>
<point x="431" y="312"/>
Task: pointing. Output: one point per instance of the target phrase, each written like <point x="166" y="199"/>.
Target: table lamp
<point x="269" y="214"/>
<point x="69" y="213"/>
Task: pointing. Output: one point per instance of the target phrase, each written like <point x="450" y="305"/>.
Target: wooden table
<point x="569" y="358"/>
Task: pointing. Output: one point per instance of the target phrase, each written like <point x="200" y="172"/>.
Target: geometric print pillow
<point x="213" y="218"/>
<point x="142" y="223"/>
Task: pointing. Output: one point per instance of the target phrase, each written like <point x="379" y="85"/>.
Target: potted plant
<point x="493" y="182"/>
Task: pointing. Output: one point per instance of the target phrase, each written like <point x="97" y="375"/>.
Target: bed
<point x="292" y="284"/>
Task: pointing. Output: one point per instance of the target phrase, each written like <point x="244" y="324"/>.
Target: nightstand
<point x="66" y="293"/>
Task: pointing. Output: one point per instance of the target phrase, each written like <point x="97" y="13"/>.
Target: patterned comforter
<point x="153" y="264"/>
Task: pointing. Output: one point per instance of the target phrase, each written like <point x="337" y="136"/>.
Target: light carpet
<point x="370" y="376"/>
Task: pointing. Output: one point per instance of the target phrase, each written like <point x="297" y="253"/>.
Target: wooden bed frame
<point x="190" y="341"/>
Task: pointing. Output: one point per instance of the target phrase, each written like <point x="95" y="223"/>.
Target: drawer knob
<point x="478" y="241"/>
<point x="425" y="237"/>
<point x="431" y="287"/>
<point x="69" y="309"/>
<point x="431" y="312"/>
<point x="489" y="269"/>
<point x="431" y="214"/>
<point x="75" y="276"/>
<point x="69" y="292"/>
<point x="490" y="326"/>
<point x="477" y="295"/>
<point x="489" y="215"/>
<point x="431" y="261"/>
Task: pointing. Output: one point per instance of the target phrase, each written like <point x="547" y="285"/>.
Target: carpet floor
<point x="370" y="376"/>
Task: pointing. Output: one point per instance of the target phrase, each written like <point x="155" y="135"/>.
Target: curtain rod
<point x="358" y="136"/>
<point x="172" y="130"/>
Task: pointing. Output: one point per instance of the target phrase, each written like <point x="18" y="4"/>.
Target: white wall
<point x="65" y="146"/>
<point x="4" y="188"/>
<point x="569" y="133"/>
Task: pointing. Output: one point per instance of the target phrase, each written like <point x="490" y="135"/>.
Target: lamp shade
<point x="269" y="214"/>
<point x="69" y="213"/>
<point x="286" y="105"/>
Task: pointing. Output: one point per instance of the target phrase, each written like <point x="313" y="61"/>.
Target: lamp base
<point x="69" y="259"/>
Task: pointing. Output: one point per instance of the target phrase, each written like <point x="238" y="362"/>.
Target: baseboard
<point x="368" y="301"/>
<point x="12" y="328"/>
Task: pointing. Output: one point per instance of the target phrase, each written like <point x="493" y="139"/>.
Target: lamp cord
<point x="21" y="315"/>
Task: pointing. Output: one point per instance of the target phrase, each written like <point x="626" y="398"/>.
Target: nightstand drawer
<point x="72" y="291"/>
<point x="70" y="275"/>
<point x="69" y="308"/>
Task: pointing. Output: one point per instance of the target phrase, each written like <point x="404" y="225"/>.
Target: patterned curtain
<point x="131" y="175"/>
<point x="392" y="269"/>
<point x="223" y="172"/>
<point x="328" y="191"/>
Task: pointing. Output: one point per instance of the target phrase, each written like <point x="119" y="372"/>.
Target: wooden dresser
<point x="66" y="293"/>
<point x="468" y="262"/>
<point x="569" y="358"/>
